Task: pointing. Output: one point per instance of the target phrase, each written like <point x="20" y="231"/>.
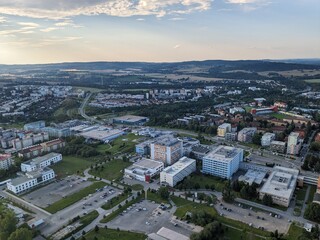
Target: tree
<point x="227" y="194"/>
<point x="256" y="139"/>
<point x="164" y="192"/>
<point x="276" y="235"/>
<point x="267" y="200"/>
<point x="313" y="212"/>
<point x="96" y="228"/>
<point x="21" y="234"/>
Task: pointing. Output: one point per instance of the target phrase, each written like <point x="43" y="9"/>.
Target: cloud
<point x="241" y="1"/>
<point x="249" y="5"/>
<point x="176" y="19"/>
<point x="140" y="19"/>
<point x="177" y="46"/>
<point x="49" y="29"/>
<point x="3" y="19"/>
<point x="28" y="24"/>
<point x="62" y="9"/>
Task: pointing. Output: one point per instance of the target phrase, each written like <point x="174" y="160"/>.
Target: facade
<point x="29" y="140"/>
<point x="267" y="138"/>
<point x="34" y="126"/>
<point x="143" y="148"/>
<point x="231" y="136"/>
<point x="46" y="147"/>
<point x="166" y="149"/>
<point x="222" y="162"/>
<point x="30" y="180"/>
<point x="280" y="185"/>
<point x="177" y="172"/>
<point x="223" y="129"/>
<point x="294" y="143"/>
<point x="131" y="120"/>
<point x="144" y="170"/>
<point x="246" y="134"/>
<point x="5" y="161"/>
<point x="41" y="162"/>
<point x="278" y="146"/>
<point x="57" y="132"/>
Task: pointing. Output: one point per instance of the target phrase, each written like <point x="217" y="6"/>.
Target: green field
<point x="204" y="180"/>
<point x="235" y="234"/>
<point x="156" y="197"/>
<point x="294" y="232"/>
<point x="113" y="234"/>
<point x="278" y="116"/>
<point x="112" y="170"/>
<point x="312" y="81"/>
<point x="90" y="89"/>
<point x="137" y="187"/>
<point x="301" y="193"/>
<point x="72" y="165"/>
<point x="123" y="144"/>
<point x="87" y="219"/>
<point x="69" y="200"/>
<point x="313" y="190"/>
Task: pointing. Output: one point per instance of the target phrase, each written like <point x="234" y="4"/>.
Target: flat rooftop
<point x="38" y="160"/>
<point x="147" y="163"/>
<point x="179" y="165"/>
<point x="166" y="140"/>
<point x="171" y="235"/>
<point x="101" y="135"/>
<point x="278" y="143"/>
<point x="223" y="153"/>
<point x="253" y="176"/>
<point x="130" y="118"/>
<point x="281" y="182"/>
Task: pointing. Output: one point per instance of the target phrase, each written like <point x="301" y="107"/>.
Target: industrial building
<point x="267" y="138"/>
<point x="246" y="134"/>
<point x="103" y="135"/>
<point x="222" y="162"/>
<point x="41" y="162"/>
<point x="177" y="172"/>
<point x="144" y="169"/>
<point x="280" y="185"/>
<point x="131" y="120"/>
<point x="166" y="149"/>
<point x="223" y="129"/>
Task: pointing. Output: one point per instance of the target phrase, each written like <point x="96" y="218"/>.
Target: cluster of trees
<point x="267" y="200"/>
<point x="77" y="146"/>
<point x="8" y="226"/>
<point x="311" y="162"/>
<point x="313" y="212"/>
<point x="195" y="126"/>
<point x="212" y="231"/>
<point x="246" y="191"/>
<point x="227" y="193"/>
<point x="315" y="146"/>
<point x="313" y="235"/>
<point x="201" y="218"/>
<point x="164" y="192"/>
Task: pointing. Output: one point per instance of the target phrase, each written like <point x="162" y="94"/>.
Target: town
<point x="176" y="160"/>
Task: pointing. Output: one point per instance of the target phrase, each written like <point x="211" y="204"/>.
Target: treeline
<point x="77" y="146"/>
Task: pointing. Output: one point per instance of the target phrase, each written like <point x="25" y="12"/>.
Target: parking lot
<point x="49" y="194"/>
<point x="154" y="185"/>
<point x="149" y="219"/>
<point x="254" y="218"/>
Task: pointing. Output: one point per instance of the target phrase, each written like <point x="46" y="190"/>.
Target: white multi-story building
<point x="267" y="138"/>
<point x="280" y="185"/>
<point x="41" y="162"/>
<point x="166" y="149"/>
<point x="246" y="134"/>
<point x="294" y="143"/>
<point x="5" y="161"/>
<point x="30" y="180"/>
<point x="177" y="172"/>
<point x="144" y="169"/>
<point x="222" y="162"/>
<point x="223" y="129"/>
<point x="236" y="110"/>
<point x="29" y="140"/>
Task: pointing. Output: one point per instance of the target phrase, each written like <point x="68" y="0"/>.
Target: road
<point x="83" y="113"/>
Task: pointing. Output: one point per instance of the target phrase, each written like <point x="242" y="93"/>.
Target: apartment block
<point x="5" y="161"/>
<point x="267" y="138"/>
<point x="246" y="134"/>
<point x="223" y="129"/>
<point x="41" y="162"/>
<point x="29" y="140"/>
<point x="294" y="143"/>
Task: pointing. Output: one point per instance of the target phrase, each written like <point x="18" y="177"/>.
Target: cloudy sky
<point x="44" y="31"/>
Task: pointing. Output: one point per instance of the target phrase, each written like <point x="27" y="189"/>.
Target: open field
<point x="279" y="116"/>
<point x="313" y="81"/>
<point x="72" y="165"/>
<point x="69" y="200"/>
<point x="113" y="234"/>
<point x="204" y="180"/>
<point x="123" y="144"/>
<point x="112" y="170"/>
<point x="180" y="76"/>
<point x="294" y="232"/>
<point x="90" y="89"/>
<point x="294" y="73"/>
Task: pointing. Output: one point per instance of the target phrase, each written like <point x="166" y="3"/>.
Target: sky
<point x="47" y="31"/>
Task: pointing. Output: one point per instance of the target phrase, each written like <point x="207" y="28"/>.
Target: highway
<point x="82" y="110"/>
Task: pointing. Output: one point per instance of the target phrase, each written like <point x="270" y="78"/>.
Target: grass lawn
<point x="204" y="180"/>
<point x="123" y="144"/>
<point x="251" y="145"/>
<point x="312" y="81"/>
<point x="114" y="201"/>
<point x="69" y="200"/>
<point x="137" y="187"/>
<point x="279" y="116"/>
<point x="90" y="89"/>
<point x="156" y="197"/>
<point x="112" y="170"/>
<point x="294" y="232"/>
<point x="71" y="165"/>
<point x="301" y="193"/>
<point x="112" y="234"/>
<point x="234" y="234"/>
<point x="311" y="193"/>
<point x="87" y="219"/>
